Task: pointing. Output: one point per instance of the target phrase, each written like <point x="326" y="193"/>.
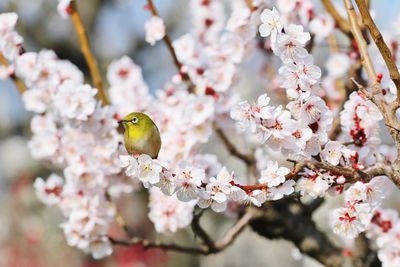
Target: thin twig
<point x="87" y="52"/>
<point x="380" y="43"/>
<point x="339" y="20"/>
<point x="18" y="83"/>
<point x="248" y="159"/>
<point x="250" y="5"/>
<point x="168" y="42"/>
<point x="355" y="29"/>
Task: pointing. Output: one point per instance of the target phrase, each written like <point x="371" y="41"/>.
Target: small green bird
<point x="141" y="135"/>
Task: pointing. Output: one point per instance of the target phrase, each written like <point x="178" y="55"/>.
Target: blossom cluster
<point x="210" y="54"/>
<point x="362" y="199"/>
<point x="10" y="40"/>
<point x="360" y="123"/>
<point x="190" y="183"/>
<point x="168" y="213"/>
<point x="72" y="131"/>
<point x="300" y="130"/>
<point x="383" y="231"/>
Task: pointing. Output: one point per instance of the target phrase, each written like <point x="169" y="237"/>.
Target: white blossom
<point x="168" y="213"/>
<point x="149" y="170"/>
<point x="273" y="175"/>
<point x="75" y="102"/>
<point x="49" y="191"/>
<point x="155" y="29"/>
<point x="257" y="197"/>
<point x="271" y="24"/>
<point x="188" y="179"/>
<point x="285" y="189"/>
<point x="64" y="8"/>
<point x="332" y="152"/>
<point x="216" y="192"/>
<point x="130" y="164"/>
<point x="347" y="223"/>
<point x="338" y="64"/>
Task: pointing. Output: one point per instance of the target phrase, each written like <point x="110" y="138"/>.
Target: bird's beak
<point x="121" y="127"/>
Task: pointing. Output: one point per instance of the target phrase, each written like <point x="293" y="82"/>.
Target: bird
<point x="141" y="135"/>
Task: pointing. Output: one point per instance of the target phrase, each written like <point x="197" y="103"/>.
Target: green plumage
<point x="141" y="135"/>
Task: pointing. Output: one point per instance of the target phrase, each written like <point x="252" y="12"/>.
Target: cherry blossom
<point x="299" y="75"/>
<point x="285" y="189"/>
<point x="313" y="184"/>
<point x="10" y="41"/>
<point x="49" y="191"/>
<point x="130" y="164"/>
<point x="333" y="152"/>
<point x="273" y="175"/>
<point x="216" y="192"/>
<point x="168" y="213"/>
<point x="149" y="170"/>
<point x="322" y="26"/>
<point x="187" y="181"/>
<point x="257" y="197"/>
<point x="75" y="102"/>
<point x="271" y="24"/>
<point x="64" y="8"/>
<point x="155" y="29"/>
<point x="337" y="65"/>
<point x="242" y="112"/>
<point x="347" y="222"/>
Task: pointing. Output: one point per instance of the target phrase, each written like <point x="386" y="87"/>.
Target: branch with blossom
<point x="78" y="134"/>
<point x="8" y="71"/>
<point x="380" y="42"/>
<point x="72" y="10"/>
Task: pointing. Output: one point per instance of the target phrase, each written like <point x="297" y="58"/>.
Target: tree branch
<point x="287" y="219"/>
<point x="380" y="43"/>
<point x="87" y="52"/>
<point x="349" y="173"/>
<point x="234" y="232"/>
<point x="205" y="249"/>
<point x="339" y="20"/>
<point x="146" y="244"/>
<point x="200" y="232"/>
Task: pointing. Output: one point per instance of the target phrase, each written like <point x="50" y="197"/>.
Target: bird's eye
<point x="134" y="120"/>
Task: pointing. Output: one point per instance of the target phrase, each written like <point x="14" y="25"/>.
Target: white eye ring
<point x="134" y="120"/>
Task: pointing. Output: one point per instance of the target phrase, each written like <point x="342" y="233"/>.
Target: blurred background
<point x="29" y="232"/>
